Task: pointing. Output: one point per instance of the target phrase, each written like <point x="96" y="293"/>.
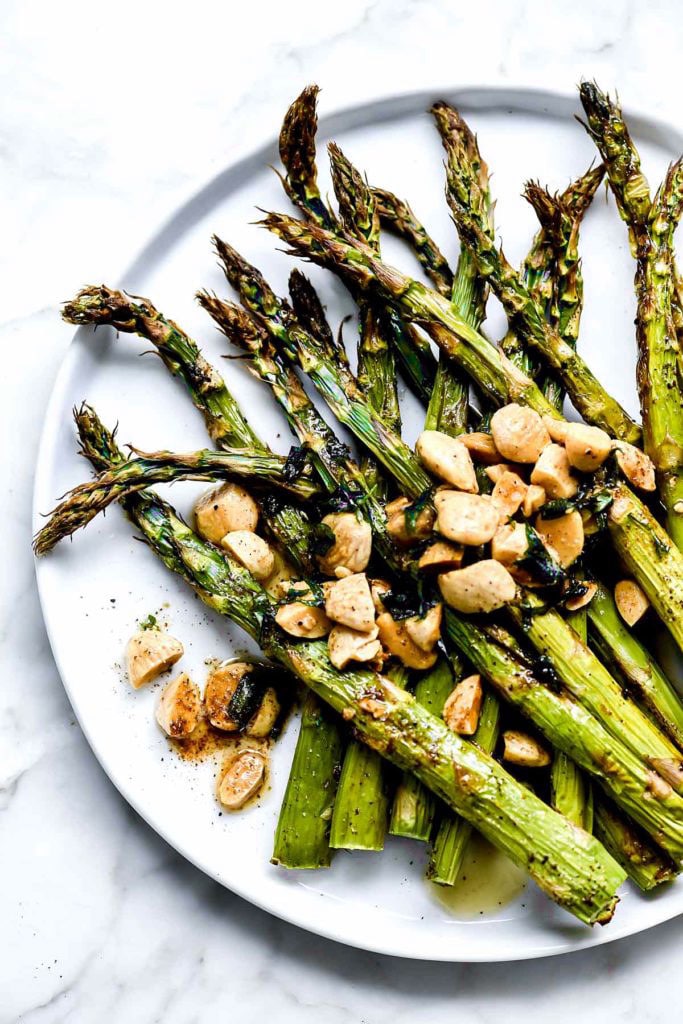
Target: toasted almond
<point x="522" y="749"/>
<point x="466" y="518"/>
<point x="463" y="705"/>
<point x="242" y="778"/>
<point x="553" y="473"/>
<point x="349" y="602"/>
<point x="149" y="653"/>
<point x="224" y="509"/>
<point x="352" y="545"/>
<point x="397" y="641"/>
<point x="481" y="587"/>
<point x="637" y="467"/>
<point x="441" y="556"/>
<point x="481" y="447"/>
<point x="519" y="433"/>
<point x="564" y="535"/>
<point x="178" y="708"/>
<point x="448" y="459"/>
<point x="574" y="604"/>
<point x="631" y="601"/>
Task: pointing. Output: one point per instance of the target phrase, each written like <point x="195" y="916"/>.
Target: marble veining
<point x="110" y="119"/>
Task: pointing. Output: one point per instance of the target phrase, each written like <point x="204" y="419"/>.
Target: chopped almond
<point x="243" y="777"/>
<point x="519" y="433"/>
<point x="481" y="447"/>
<point x="178" y="708"/>
<point x="533" y="500"/>
<point x="586" y="447"/>
<point x="564" y="535"/>
<point x="510" y="543"/>
<point x="441" y="556"/>
<point x="481" y="587"/>
<point x="463" y="705"/>
<point x="466" y="518"/>
<point x="349" y="602"/>
<point x="522" y="749"/>
<point x="425" y="630"/>
<point x="149" y="653"/>
<point x="219" y="690"/>
<point x="631" y="601"/>
<point x="448" y="458"/>
<point x="553" y="472"/>
<point x="251" y="551"/>
<point x="509" y="493"/>
<point x="223" y="510"/>
<point x="637" y="467"/>
<point x="574" y="604"/>
<point x="346" y="645"/>
<point x="397" y="641"/>
<point x="352" y="543"/>
<point x="398" y="527"/>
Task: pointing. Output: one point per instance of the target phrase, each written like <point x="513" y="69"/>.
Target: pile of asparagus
<point x="584" y="680"/>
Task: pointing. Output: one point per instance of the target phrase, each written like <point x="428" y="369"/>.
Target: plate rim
<point x="472" y="96"/>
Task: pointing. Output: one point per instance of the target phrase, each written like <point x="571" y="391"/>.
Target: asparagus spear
<point x="454" y="833"/>
<point x="637" y="537"/>
<point x="640" y="671"/>
<point x="297" y="152"/>
<point x="651" y="225"/>
<point x="84" y="502"/>
<point x="588" y="395"/>
<point x="376" y="366"/>
<point x="395" y="214"/>
<point x="589" y="681"/>
<point x="413" y="807"/>
<point x="571" y="728"/>
<point x="302" y="837"/>
<point x="644" y="863"/>
<point x="578" y="875"/>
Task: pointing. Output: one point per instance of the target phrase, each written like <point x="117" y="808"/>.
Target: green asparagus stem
<point x="413" y="808"/>
<point x="453" y="834"/>
<point x="590" y="683"/>
<point x="579" y="875"/>
<point x="644" y="863"/>
<point x="659" y="319"/>
<point x="359" y="821"/>
<point x="640" y="672"/>
<point x="84" y="502"/>
<point x="297" y="152"/>
<point x="526" y="319"/>
<point x="101" y="305"/>
<point x="376" y="365"/>
<point x="302" y="837"/>
<point x="571" y="728"/>
<point x="570" y="791"/>
<point x="395" y="214"/>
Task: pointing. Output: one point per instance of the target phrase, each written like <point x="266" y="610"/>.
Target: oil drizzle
<point x="487" y="882"/>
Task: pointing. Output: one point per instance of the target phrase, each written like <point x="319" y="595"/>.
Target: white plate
<point x="94" y="590"/>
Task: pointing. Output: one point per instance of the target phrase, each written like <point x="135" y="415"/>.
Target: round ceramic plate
<point x="95" y="590"/>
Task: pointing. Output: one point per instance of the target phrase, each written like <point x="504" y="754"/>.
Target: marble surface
<point x="109" y="120"/>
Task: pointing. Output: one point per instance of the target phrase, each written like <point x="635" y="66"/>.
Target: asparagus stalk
<point x="225" y="423"/>
<point x="84" y="502"/>
<point x="590" y="683"/>
<point x="578" y="875"/>
<point x="638" y="538"/>
<point x="571" y="728"/>
<point x="397" y="215"/>
<point x="643" y="862"/>
<point x="640" y="672"/>
<point x="413" y="807"/>
<point x="588" y="395"/>
<point x="659" y="318"/>
<point x="454" y="833"/>
<point x="302" y="837"/>
<point x="376" y="365"/>
<point x="570" y="791"/>
<point x="297" y="152"/>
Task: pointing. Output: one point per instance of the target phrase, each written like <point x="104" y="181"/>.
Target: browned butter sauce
<point x="487" y="882"/>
